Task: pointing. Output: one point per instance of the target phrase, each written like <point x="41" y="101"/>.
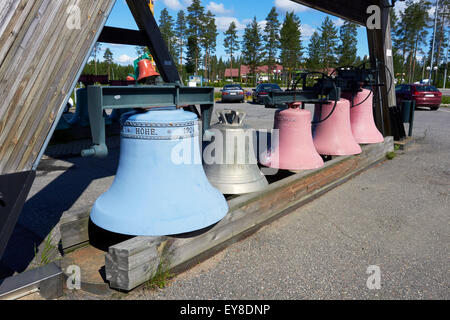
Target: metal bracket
<point x="47" y="280"/>
<point x="101" y="98"/>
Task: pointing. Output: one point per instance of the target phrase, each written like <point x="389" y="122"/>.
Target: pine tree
<point x="195" y="18"/>
<point x="180" y="33"/>
<point x="231" y="42"/>
<point x="313" y="62"/>
<point x="290" y="43"/>
<point x="192" y="55"/>
<point x="108" y="58"/>
<point x="95" y="51"/>
<point x="252" y="47"/>
<point x="208" y="39"/>
<point x="166" y="26"/>
<point x="411" y="33"/>
<point x="271" y="38"/>
<point x="348" y="48"/>
<point x="141" y="50"/>
<point x="328" y="43"/>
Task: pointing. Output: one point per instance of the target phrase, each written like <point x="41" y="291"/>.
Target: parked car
<point x="262" y="91"/>
<point x="425" y="95"/>
<point x="232" y="93"/>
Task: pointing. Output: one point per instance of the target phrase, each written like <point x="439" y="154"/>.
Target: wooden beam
<point x="380" y="49"/>
<point x="354" y="11"/>
<point x="40" y="59"/>
<point x="146" y="22"/>
<point x="123" y="36"/>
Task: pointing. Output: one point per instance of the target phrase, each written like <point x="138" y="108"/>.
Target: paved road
<point x="395" y="216"/>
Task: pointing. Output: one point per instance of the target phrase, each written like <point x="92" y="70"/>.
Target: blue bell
<point x="160" y="187"/>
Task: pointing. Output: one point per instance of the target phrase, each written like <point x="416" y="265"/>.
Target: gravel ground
<point x="394" y="216"/>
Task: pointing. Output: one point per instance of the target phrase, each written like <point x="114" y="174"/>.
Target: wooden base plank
<point x="132" y="263"/>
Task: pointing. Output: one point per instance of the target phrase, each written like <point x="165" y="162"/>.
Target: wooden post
<point x="380" y="49"/>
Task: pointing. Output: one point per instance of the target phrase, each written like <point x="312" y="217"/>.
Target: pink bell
<point x="295" y="149"/>
<point x="334" y="136"/>
<point x="361" y="118"/>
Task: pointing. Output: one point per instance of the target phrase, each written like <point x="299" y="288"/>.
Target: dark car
<point x="425" y="95"/>
<point x="262" y="91"/>
<point x="232" y="93"/>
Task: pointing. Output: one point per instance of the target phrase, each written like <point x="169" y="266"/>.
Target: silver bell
<point x="229" y="159"/>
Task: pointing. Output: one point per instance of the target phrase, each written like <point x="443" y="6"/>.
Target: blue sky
<point x="240" y="11"/>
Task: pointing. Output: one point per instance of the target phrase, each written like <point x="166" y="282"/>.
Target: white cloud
<point x="223" y="23"/>
<point x="338" y="22"/>
<point x="262" y="24"/>
<point x="307" y="30"/>
<point x="173" y="4"/>
<point x="288" y="5"/>
<point x="217" y="8"/>
<point x="125" y="59"/>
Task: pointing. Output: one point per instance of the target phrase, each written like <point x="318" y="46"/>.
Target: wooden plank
<point x="131" y="263"/>
<point x="380" y="49"/>
<point x="354" y="11"/>
<point x="33" y="95"/>
<point x="158" y="48"/>
<point x="14" y="26"/>
<point x="123" y="36"/>
<point x="73" y="227"/>
<point x="61" y="92"/>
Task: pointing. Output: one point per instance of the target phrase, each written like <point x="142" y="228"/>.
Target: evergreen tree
<point x="290" y="43"/>
<point x="271" y="38"/>
<point x="95" y="52"/>
<point x="252" y="47"/>
<point x="208" y="39"/>
<point x="180" y="34"/>
<point x="166" y="26"/>
<point x="195" y="19"/>
<point x="141" y="50"/>
<point x="411" y="33"/>
<point x="328" y="43"/>
<point x="108" y="58"/>
<point x="192" y="55"/>
<point x="313" y="62"/>
<point x="348" y="48"/>
<point x="397" y="57"/>
<point x="231" y="42"/>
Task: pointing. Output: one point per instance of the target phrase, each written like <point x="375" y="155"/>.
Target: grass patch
<point x="162" y="274"/>
<point x="445" y="100"/>
<point x="48" y="252"/>
<point x="391" y="155"/>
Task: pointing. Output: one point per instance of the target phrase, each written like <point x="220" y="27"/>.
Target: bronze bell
<point x="229" y="159"/>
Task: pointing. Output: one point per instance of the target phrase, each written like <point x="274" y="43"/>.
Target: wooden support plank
<point x="73" y="227"/>
<point x="355" y="12"/>
<point x="158" y="48"/>
<point x="380" y="49"/>
<point x="131" y="263"/>
<point x="50" y="56"/>
<point x="123" y="36"/>
<point x="62" y="88"/>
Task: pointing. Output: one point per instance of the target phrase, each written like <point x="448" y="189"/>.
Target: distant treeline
<point x="192" y="40"/>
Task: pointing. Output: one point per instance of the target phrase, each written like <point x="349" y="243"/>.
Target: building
<point x="243" y="74"/>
